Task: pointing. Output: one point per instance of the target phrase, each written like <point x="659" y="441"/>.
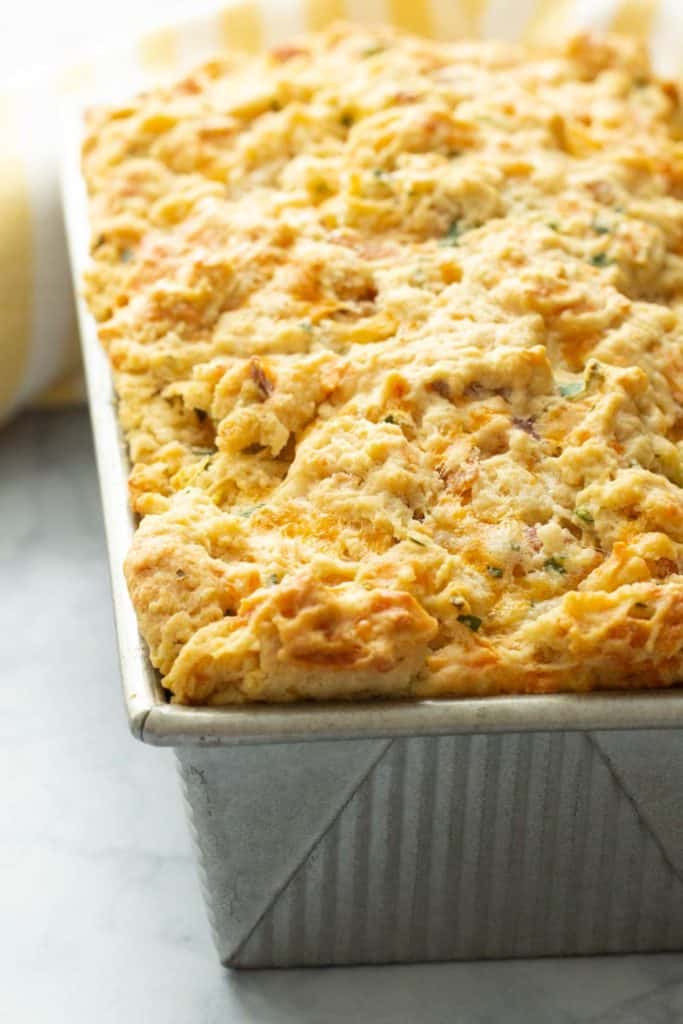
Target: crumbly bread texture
<point x="396" y="333"/>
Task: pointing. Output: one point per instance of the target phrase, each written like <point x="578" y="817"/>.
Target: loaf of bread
<point x="395" y="332"/>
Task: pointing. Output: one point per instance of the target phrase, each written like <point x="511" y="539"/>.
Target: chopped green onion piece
<point x="452" y="235"/>
<point x="574" y="387"/>
<point x="416" y="540"/>
<point x="494" y="570"/>
<point x="601" y="259"/>
<point x="472" y="622"/>
<point x="555" y="564"/>
<point x="583" y="513"/>
<point x="246" y="512"/>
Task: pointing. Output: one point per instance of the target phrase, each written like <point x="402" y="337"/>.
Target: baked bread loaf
<point x="395" y="331"/>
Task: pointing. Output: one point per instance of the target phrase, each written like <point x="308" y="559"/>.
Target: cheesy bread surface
<point x="395" y="328"/>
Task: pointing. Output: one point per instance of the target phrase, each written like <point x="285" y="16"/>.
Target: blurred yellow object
<point x="37" y="329"/>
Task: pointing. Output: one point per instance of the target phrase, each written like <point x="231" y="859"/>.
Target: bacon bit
<point x="532" y="537"/>
<point x="368" y="248"/>
<point x="527" y="425"/>
<point x="602" y="191"/>
<point x="259" y="378"/>
<point x="285" y="53"/>
<point x="441" y="387"/>
<point x="664" y="567"/>
<point x="374" y="249"/>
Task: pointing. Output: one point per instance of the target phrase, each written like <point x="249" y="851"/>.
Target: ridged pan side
<point x="449" y="848"/>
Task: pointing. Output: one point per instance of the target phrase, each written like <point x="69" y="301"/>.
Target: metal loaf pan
<point x="395" y="831"/>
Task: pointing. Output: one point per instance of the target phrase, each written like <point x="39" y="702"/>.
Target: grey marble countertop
<point x="100" y="907"/>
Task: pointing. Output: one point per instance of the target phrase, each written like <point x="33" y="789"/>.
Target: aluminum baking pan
<point x="154" y="720"/>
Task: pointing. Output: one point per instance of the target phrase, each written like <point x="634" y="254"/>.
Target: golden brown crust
<point x="395" y="329"/>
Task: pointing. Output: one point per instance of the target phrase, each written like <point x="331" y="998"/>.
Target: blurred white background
<point x="36" y="35"/>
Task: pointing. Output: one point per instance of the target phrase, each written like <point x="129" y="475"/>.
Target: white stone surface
<point x="100" y="907"/>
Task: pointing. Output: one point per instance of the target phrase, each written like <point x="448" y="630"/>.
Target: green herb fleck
<point x="570" y="390"/>
<point x="203" y="451"/>
<point x="555" y="564"/>
<point x="452" y="235"/>
<point x="126" y="255"/>
<point x="472" y="622"/>
<point x="495" y="571"/>
<point x="273" y="579"/>
<point x="416" y="540"/>
<point x="584" y="514"/>
<point x="379" y="172"/>
<point x="244" y="513"/>
<point x="390" y="419"/>
<point x="372" y="51"/>
<point x="553" y="225"/>
<point x="601" y="259"/>
<point x="307" y="326"/>
<point x="514" y="546"/>
<point x="601" y="229"/>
